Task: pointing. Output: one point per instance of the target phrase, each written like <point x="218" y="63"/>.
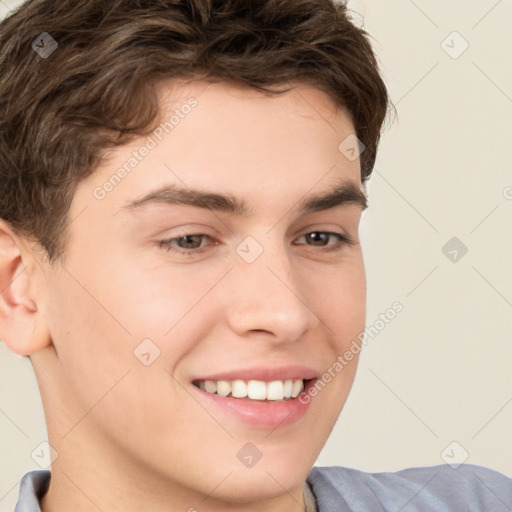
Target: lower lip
<point x="267" y="414"/>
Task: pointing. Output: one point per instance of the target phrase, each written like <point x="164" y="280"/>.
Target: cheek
<point x="91" y="340"/>
<point x="162" y="303"/>
<point x="339" y="295"/>
<point x="352" y="303"/>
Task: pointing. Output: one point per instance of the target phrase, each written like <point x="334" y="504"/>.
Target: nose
<point x="268" y="297"/>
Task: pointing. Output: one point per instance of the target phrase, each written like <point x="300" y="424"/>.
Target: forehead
<point x="221" y="137"/>
<point x="172" y="92"/>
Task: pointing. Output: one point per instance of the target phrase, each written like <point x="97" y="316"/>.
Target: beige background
<point x="438" y="373"/>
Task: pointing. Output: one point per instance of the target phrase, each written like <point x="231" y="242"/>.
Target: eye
<point x="321" y="239"/>
<point x="187" y="244"/>
<point x="190" y="245"/>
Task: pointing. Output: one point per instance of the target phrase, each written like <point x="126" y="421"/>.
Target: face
<point x="170" y="302"/>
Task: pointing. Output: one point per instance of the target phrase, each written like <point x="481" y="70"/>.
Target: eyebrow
<point x="172" y="195"/>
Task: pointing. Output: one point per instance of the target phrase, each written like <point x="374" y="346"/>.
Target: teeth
<point x="239" y="389"/>
<point x="275" y="390"/>
<point x="254" y="389"/>
<point x="223" y="388"/>
<point x="288" y="386"/>
<point x="210" y="386"/>
<point x="257" y="390"/>
<point x="297" y="388"/>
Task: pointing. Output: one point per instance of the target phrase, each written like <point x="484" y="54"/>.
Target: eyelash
<point x="342" y="241"/>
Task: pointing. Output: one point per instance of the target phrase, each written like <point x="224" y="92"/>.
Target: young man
<point x="182" y="185"/>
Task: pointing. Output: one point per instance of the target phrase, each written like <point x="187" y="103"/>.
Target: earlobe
<point x="22" y="323"/>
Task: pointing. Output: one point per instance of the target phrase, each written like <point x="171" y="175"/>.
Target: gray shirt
<point x="468" y="488"/>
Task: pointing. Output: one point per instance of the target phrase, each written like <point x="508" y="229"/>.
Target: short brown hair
<point x="59" y="114"/>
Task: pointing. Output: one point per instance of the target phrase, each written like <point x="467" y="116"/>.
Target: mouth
<point x="257" y="390"/>
<point x="259" y="397"/>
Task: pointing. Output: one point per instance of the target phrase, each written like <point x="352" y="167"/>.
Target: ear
<point x="22" y="324"/>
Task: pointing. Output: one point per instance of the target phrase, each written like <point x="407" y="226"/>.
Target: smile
<point x="253" y="389"/>
<point x="258" y="397"/>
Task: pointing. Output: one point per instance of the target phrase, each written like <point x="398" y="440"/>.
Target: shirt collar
<point x="32" y="488"/>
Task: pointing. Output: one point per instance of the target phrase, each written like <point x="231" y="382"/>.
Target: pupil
<point x="189" y="239"/>
<point x="315" y="237"/>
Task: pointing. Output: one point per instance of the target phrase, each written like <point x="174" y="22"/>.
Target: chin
<point x="280" y="470"/>
<point x="251" y="485"/>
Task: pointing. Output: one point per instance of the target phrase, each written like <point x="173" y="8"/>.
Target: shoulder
<point x="32" y="487"/>
<point x="467" y="488"/>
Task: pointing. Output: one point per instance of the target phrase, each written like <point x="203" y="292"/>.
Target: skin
<point x="128" y="436"/>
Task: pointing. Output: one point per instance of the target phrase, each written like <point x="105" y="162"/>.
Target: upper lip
<point x="265" y="374"/>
